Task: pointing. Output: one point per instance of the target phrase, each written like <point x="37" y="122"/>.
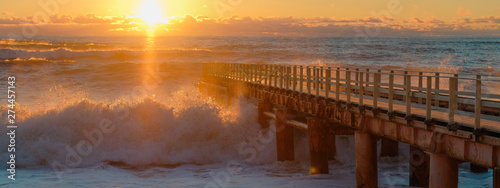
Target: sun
<point x="150" y="12"/>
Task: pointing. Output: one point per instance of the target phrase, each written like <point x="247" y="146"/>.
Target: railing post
<point x="357" y="76"/>
<point x="240" y="75"/>
<point x="313" y="77"/>
<point x="361" y="90"/>
<point x="420" y="80"/>
<point x="452" y="102"/>
<point x="337" y="85"/>
<point x="301" y="79"/>
<point x="408" y="97"/>
<point x="276" y="75"/>
<point x="405" y="81"/>
<point x="456" y="89"/>
<point x="391" y="93"/>
<point x="265" y="75"/>
<point x="348" y="85"/>
<point x="321" y="77"/>
<point x="367" y="77"/>
<point x="259" y="74"/>
<point x="376" y="88"/>
<point x="428" y="102"/>
<point x="282" y="75"/>
<point x="248" y="71"/>
<point x="245" y="73"/>
<point x="227" y="73"/>
<point x="308" y="71"/>
<point x="294" y="78"/>
<point x="234" y="73"/>
<point x="477" y="118"/>
<point x="327" y="81"/>
<point x="318" y="84"/>
<point x="436" y="87"/>
<point x="254" y="74"/>
<point x="288" y="78"/>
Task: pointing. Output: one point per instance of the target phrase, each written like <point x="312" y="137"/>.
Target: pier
<point x="446" y="118"/>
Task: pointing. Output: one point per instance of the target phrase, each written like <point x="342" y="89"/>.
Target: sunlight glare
<point x="150" y="12"/>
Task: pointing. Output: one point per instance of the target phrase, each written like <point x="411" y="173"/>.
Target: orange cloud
<point x="92" y="19"/>
<point x="13" y="20"/>
<point x="462" y="11"/>
<point x="480" y="20"/>
<point x="416" y="20"/>
<point x="91" y="24"/>
<point x="5" y="13"/>
<point x="61" y="18"/>
<point x="433" y="20"/>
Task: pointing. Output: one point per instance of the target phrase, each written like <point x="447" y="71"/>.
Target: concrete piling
<point x="284" y="137"/>
<point x="366" y="159"/>
<point x="443" y="171"/>
<point x="419" y="167"/>
<point x="496" y="178"/>
<point x="318" y="146"/>
<point x="262" y="108"/>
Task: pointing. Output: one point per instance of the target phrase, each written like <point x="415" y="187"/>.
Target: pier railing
<point x="412" y="93"/>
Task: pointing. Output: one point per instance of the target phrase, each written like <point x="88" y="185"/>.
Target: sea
<point x="108" y="111"/>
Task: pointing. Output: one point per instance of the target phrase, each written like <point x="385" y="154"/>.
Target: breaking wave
<point x="181" y="129"/>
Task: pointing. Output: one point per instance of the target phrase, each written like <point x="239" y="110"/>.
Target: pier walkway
<point x="446" y="118"/>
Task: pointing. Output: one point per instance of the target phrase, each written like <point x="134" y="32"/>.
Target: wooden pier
<point x="446" y="118"/>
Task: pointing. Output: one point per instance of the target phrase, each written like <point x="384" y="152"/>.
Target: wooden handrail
<point x="322" y="82"/>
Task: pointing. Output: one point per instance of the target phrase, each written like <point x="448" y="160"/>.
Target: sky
<point x="251" y="17"/>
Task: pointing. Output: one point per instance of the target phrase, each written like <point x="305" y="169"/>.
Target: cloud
<point x="433" y="20"/>
<point x="61" y="18"/>
<point x="417" y="20"/>
<point x="372" y="19"/>
<point x="92" y="24"/>
<point x="92" y="19"/>
<point x="13" y="20"/>
<point x="479" y="20"/>
<point x="462" y="11"/>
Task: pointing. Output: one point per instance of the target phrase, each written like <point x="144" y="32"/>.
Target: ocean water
<point x="124" y="111"/>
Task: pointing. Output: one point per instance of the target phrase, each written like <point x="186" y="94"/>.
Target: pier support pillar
<point x="419" y="167"/>
<point x="496" y="178"/>
<point x="263" y="107"/>
<point x="390" y="148"/>
<point x="477" y="169"/>
<point x="366" y="159"/>
<point x="332" y="148"/>
<point x="443" y="171"/>
<point x="284" y="137"/>
<point x="318" y="145"/>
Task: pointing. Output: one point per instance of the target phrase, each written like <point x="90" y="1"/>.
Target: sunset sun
<point x="150" y="12"/>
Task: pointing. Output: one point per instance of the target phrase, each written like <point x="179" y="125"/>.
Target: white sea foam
<point x="146" y="131"/>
